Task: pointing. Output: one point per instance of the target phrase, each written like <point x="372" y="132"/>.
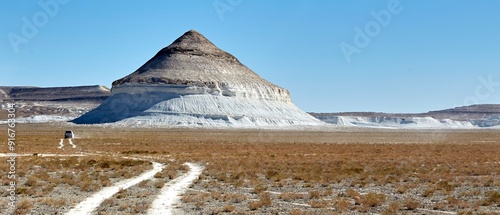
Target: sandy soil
<point x="259" y="171"/>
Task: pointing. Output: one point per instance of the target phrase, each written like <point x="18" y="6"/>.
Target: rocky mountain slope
<point x="193" y="83"/>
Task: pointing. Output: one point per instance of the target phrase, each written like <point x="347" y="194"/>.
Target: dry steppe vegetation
<point x="267" y="172"/>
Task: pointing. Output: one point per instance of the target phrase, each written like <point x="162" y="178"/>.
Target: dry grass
<point x="373" y="199"/>
<point x="264" y="201"/>
<point x="410" y="204"/>
<point x="314" y="194"/>
<point x="54" y="202"/>
<point x="392" y="208"/>
<point x="24" y="206"/>
<point x="290" y="196"/>
<point x="159" y="184"/>
<point x="141" y="208"/>
<point x="234" y="197"/>
<point x="319" y="203"/>
<point x="229" y="208"/>
<point x="492" y="198"/>
<point x="259" y="188"/>
<point x="342" y="204"/>
<point x="195" y="197"/>
<point x="429" y="163"/>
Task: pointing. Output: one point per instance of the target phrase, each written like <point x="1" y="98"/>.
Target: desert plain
<point x="336" y="171"/>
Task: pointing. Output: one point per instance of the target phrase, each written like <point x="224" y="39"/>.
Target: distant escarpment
<point x="479" y="116"/>
<point x="79" y="93"/>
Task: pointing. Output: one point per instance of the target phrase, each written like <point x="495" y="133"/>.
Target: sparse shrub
<point x="22" y="190"/>
<point x="127" y="174"/>
<point x="229" y="208"/>
<point x="439" y="206"/>
<point x="183" y="168"/>
<point x="31" y="181"/>
<point x="352" y="193"/>
<point x="297" y="212"/>
<point x="144" y="183"/>
<point x="67" y="178"/>
<point x="141" y="208"/>
<point x="264" y="201"/>
<point x="104" y="164"/>
<point x="108" y="202"/>
<point x="195" y="197"/>
<point x="24" y="206"/>
<point x="42" y="176"/>
<point x="265" y="198"/>
<point x="393" y="208"/>
<point x="411" y="204"/>
<point x="328" y="192"/>
<point x="402" y="189"/>
<point x="492" y="198"/>
<point x="48" y="188"/>
<point x="216" y="195"/>
<point x="342" y="204"/>
<point x="234" y="197"/>
<point x="102" y="212"/>
<point x="121" y="194"/>
<point x="259" y="188"/>
<point x="288" y="196"/>
<point x="318" y="203"/>
<point x="445" y="186"/>
<point x="373" y="199"/>
<point x="468" y="212"/>
<point x="199" y="205"/>
<point x="170" y="171"/>
<point x="221" y="176"/>
<point x="105" y="182"/>
<point x="159" y="175"/>
<point x="91" y="163"/>
<point x="88" y="186"/>
<point x="53" y="202"/>
<point x="254" y="205"/>
<point x="143" y="194"/>
<point x="159" y="184"/>
<point x="428" y="192"/>
<point x="314" y="194"/>
<point x="273" y="175"/>
<point x="5" y="181"/>
<point x="123" y="207"/>
<point x="128" y="163"/>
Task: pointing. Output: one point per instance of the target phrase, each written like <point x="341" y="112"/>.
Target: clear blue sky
<point x="428" y="55"/>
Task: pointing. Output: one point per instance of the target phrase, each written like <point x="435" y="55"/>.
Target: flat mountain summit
<point x="61" y="103"/>
<point x="76" y="93"/>
<point x="193" y="82"/>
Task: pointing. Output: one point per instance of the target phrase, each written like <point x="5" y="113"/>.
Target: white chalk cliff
<point x="192" y="82"/>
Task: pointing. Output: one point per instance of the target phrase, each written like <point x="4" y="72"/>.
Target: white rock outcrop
<point x="192" y="82"/>
<point x="3" y="96"/>
<point x="397" y="122"/>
